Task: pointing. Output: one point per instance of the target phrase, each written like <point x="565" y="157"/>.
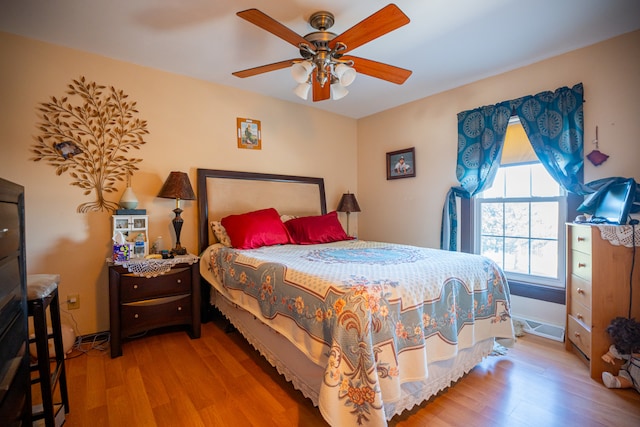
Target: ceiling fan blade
<point x="379" y="70"/>
<point x="265" y="68"/>
<point x="320" y="93"/>
<point x="380" y="23"/>
<point x="267" y="23"/>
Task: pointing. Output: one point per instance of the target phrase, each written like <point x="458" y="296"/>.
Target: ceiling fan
<point x="323" y="52"/>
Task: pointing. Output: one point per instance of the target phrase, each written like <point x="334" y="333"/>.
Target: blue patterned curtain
<point x="480" y="140"/>
<point x="554" y="124"/>
<point x="553" y="121"/>
<point x="449" y="227"/>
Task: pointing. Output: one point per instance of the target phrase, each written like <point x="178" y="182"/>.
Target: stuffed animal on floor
<point x="625" y="334"/>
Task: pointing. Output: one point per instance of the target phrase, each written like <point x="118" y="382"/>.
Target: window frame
<point x="521" y="288"/>
<point x="559" y="281"/>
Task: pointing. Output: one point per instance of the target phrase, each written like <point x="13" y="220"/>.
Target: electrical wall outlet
<point x="73" y="302"/>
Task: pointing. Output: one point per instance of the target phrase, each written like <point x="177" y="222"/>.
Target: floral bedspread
<point x="374" y="314"/>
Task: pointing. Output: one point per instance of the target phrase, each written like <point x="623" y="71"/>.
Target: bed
<point x="365" y="330"/>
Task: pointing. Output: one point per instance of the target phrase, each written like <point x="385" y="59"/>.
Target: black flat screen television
<point x="615" y="204"/>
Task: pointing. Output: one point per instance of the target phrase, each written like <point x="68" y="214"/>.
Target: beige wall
<point x="410" y="210"/>
<point x="192" y="124"/>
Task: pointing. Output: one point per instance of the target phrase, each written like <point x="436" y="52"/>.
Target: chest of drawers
<point x="598" y="280"/>
<point x="15" y="384"/>
<point x="138" y="304"/>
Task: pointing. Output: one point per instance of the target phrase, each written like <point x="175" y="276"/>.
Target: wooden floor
<point x="219" y="380"/>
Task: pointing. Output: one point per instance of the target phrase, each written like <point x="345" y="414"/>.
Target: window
<point x="519" y="221"/>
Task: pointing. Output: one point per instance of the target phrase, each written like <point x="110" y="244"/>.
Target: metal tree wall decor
<point x="89" y="140"/>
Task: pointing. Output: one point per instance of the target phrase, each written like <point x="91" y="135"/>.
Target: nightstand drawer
<point x="581" y="265"/>
<point x="580" y="291"/>
<point x="579" y="335"/>
<point x="135" y="288"/>
<point x="148" y="314"/>
<point x="581" y="239"/>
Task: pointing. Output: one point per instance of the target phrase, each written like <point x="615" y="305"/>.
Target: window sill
<point x="539" y="292"/>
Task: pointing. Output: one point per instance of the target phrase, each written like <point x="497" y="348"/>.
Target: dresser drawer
<point x="581" y="265"/>
<point x="175" y="282"/>
<point x="581" y="239"/>
<point x="581" y="313"/>
<point x="579" y="335"/>
<point x="14" y="341"/>
<point x="10" y="290"/>
<point x="9" y="229"/>
<point x="16" y="406"/>
<point x="14" y="370"/>
<point x="580" y="290"/>
<point x="143" y="315"/>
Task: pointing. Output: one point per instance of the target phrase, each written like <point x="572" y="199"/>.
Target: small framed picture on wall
<point x="249" y="134"/>
<point x="401" y="163"/>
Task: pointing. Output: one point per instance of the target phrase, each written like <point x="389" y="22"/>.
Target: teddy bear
<point x="625" y="334"/>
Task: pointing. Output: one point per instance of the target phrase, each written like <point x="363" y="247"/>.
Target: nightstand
<point x="150" y="294"/>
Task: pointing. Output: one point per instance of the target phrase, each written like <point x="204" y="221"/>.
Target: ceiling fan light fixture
<point x="345" y="74"/>
<point x="302" y="90"/>
<point x="338" y="91"/>
<point x="301" y="71"/>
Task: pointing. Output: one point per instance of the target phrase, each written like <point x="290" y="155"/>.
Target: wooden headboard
<point x="221" y="193"/>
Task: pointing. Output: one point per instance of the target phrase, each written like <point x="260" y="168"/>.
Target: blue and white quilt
<point x="372" y="314"/>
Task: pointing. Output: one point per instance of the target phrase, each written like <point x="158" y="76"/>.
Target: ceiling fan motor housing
<point x="319" y="41"/>
<point x="321" y="20"/>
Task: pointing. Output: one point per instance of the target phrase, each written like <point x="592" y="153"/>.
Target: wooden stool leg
<point x="56" y="325"/>
<point x="44" y="369"/>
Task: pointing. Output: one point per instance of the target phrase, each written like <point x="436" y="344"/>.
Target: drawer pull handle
<point x="579" y="316"/>
<point x="576" y="334"/>
<point x="179" y="281"/>
<point x="4" y="230"/>
<point x="581" y="239"/>
<point x="135" y="316"/>
<point x="135" y="286"/>
<point x="581" y="265"/>
<point x="180" y="308"/>
<point x="580" y="291"/>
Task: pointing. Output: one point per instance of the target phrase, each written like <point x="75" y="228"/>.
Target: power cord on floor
<point x="86" y="345"/>
<point x="91" y="344"/>
<point x="633" y="224"/>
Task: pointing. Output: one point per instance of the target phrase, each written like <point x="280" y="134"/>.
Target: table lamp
<point x="348" y="204"/>
<point x="177" y="186"/>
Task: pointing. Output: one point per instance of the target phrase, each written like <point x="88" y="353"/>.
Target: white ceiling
<point x="448" y="43"/>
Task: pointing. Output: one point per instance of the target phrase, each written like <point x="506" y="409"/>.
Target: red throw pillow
<point x="310" y="230"/>
<point x="256" y="229"/>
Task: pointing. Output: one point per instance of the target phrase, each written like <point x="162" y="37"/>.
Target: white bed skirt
<point x="307" y="376"/>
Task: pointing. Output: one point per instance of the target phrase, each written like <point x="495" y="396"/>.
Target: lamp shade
<point x="338" y="91"/>
<point x="345" y="74"/>
<point x="301" y="70"/>
<point x="177" y="186"/>
<point x="302" y="90"/>
<point x="348" y="203"/>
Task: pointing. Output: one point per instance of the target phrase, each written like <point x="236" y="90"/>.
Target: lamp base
<point x="177" y="227"/>
<point x="179" y="250"/>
